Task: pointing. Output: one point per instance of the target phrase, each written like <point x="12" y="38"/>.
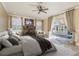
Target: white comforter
<point x="32" y="48"/>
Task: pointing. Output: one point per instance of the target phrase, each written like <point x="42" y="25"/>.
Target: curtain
<point x="70" y="20"/>
<point x="50" y="22"/>
<point x="16" y="23"/>
<point x="70" y="23"/>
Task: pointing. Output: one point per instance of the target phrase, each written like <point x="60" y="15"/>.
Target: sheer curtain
<point x="50" y="21"/>
<point x="16" y="23"/>
<point x="39" y="25"/>
<point x="70" y="22"/>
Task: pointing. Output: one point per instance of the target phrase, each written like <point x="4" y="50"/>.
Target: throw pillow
<point x="17" y="37"/>
<point x="13" y="40"/>
<point x="6" y="43"/>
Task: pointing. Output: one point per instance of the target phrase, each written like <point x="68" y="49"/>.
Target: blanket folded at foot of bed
<point x="44" y="44"/>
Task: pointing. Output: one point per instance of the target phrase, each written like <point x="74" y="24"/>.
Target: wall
<point x="3" y="19"/>
<point x="45" y="26"/>
<point x="22" y="18"/>
<point x="44" y="22"/>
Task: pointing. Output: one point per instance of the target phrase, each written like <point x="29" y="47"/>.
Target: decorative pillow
<point x="6" y="43"/>
<point x="10" y="32"/>
<point x="17" y="37"/>
<point x="3" y="33"/>
<point x="13" y="40"/>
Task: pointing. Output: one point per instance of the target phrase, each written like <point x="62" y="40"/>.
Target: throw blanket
<point x="44" y="44"/>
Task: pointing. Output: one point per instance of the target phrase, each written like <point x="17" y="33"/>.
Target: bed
<point x="60" y="50"/>
<point x="29" y="47"/>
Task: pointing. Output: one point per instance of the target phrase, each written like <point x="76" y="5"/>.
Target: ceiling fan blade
<point x="45" y="9"/>
<point x="34" y="10"/>
<point x="34" y="5"/>
<point x="39" y="12"/>
<point x="39" y="7"/>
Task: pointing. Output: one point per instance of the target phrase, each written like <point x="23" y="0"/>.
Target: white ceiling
<point x="25" y="8"/>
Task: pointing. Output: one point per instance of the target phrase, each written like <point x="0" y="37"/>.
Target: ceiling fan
<point x="40" y="8"/>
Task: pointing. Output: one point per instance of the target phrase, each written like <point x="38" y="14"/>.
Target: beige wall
<point x="3" y="19"/>
<point x="45" y="26"/>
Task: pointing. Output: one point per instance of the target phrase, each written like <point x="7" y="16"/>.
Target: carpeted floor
<point x="64" y="49"/>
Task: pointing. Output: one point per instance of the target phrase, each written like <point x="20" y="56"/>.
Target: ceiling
<point x="25" y="8"/>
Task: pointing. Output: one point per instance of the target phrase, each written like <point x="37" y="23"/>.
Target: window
<point x="58" y="25"/>
<point x="16" y="23"/>
<point x="39" y="25"/>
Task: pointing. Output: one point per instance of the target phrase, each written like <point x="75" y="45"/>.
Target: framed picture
<point x="27" y="21"/>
